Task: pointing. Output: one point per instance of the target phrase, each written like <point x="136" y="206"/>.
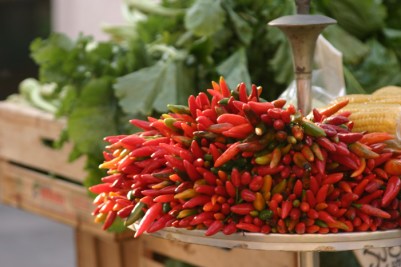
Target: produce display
<point x="231" y="162"/>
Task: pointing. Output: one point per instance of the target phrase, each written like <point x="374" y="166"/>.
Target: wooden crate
<point x="38" y="179"/>
<point x="23" y="132"/>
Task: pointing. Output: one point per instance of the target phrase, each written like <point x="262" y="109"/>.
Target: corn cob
<point x="388" y="90"/>
<point x="373" y="118"/>
<point x="376" y="98"/>
<point x="379" y="112"/>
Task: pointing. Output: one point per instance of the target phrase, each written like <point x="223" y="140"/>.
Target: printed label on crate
<point x="49" y="198"/>
<point x="379" y="257"/>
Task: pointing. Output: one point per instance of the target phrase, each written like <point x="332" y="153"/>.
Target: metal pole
<point x="302" y="31"/>
<point x="308" y="259"/>
<point x="303" y="6"/>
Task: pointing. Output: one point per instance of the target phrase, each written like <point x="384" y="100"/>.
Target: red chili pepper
<point x="230" y="229"/>
<point x="256" y="183"/>
<point x="230" y="189"/>
<point x="333" y="178"/>
<point x="347" y="199"/>
<point x="248" y="195"/>
<point x="242" y="209"/>
<point x="345" y="186"/>
<point x="215" y="227"/>
<point x="151" y="214"/>
<point x="286" y="207"/>
<point x="369" y="198"/>
<point x="349" y="138"/>
<point x="326" y="144"/>
<point x="201" y="217"/>
<point x="336" y="120"/>
<point x="312" y="229"/>
<point x="310" y="197"/>
<point x="377" y="137"/>
<point x="382" y="158"/>
<point x="196" y="201"/>
<point x="372" y="211"/>
<point x="298" y="188"/>
<point x="300" y="228"/>
<point x="245" y="178"/>
<point x="265" y="170"/>
<point x="334" y="108"/>
<point x="260" y="107"/>
<point x="381" y="173"/>
<point x="164" y="198"/>
<point x="347" y="161"/>
<point x="235" y="177"/>
<point x="360" y="188"/>
<point x="101" y="188"/>
<point x="227" y="155"/>
<point x="248" y="227"/>
<point x="161" y="223"/>
<point x="392" y="189"/>
<point x="322" y="193"/>
<point x="204" y="189"/>
<point x="111" y="216"/>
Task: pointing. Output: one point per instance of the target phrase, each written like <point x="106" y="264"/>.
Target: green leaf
<point x="361" y="18"/>
<point x="235" y="69"/>
<point x="241" y="27"/>
<point x="352" y="49"/>
<point x="380" y="68"/>
<point x="154" y="87"/>
<point x="282" y="65"/>
<point x="205" y="17"/>
<point x="137" y="91"/>
<point x="93" y="116"/>
<point x="51" y="55"/>
<point x="393" y="40"/>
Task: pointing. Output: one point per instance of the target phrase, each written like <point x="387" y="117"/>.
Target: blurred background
<point x="27" y="239"/>
<point x="21" y="21"/>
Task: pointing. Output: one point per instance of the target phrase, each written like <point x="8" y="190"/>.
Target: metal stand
<point x="302" y="31"/>
<point x="308" y="259"/>
<point x="307" y="246"/>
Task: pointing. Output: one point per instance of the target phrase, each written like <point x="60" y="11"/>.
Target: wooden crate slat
<point x="41" y="194"/>
<point x="86" y="249"/>
<point x="207" y="256"/>
<point x="22" y="131"/>
<point x="109" y="253"/>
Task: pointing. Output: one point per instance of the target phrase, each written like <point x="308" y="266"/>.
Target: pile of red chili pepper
<point x="231" y="162"/>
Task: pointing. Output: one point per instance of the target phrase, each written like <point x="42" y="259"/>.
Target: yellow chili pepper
<point x="276" y="157"/>
<point x="186" y="213"/>
<point x="267" y="186"/>
<point x="278" y="188"/>
<point x="360" y="169"/>
<point x="259" y="203"/>
<point x="189" y="193"/>
<point x="161" y="185"/>
<point x="264" y="159"/>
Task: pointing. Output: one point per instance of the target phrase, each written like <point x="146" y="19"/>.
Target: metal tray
<point x="286" y="242"/>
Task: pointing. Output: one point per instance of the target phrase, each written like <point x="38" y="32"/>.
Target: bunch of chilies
<point x="233" y="163"/>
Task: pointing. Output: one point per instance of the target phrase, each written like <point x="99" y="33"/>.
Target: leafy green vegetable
<point x="361" y="18"/>
<point x="383" y="63"/>
<point x="93" y="116"/>
<point x="353" y="49"/>
<point x="205" y="17"/>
